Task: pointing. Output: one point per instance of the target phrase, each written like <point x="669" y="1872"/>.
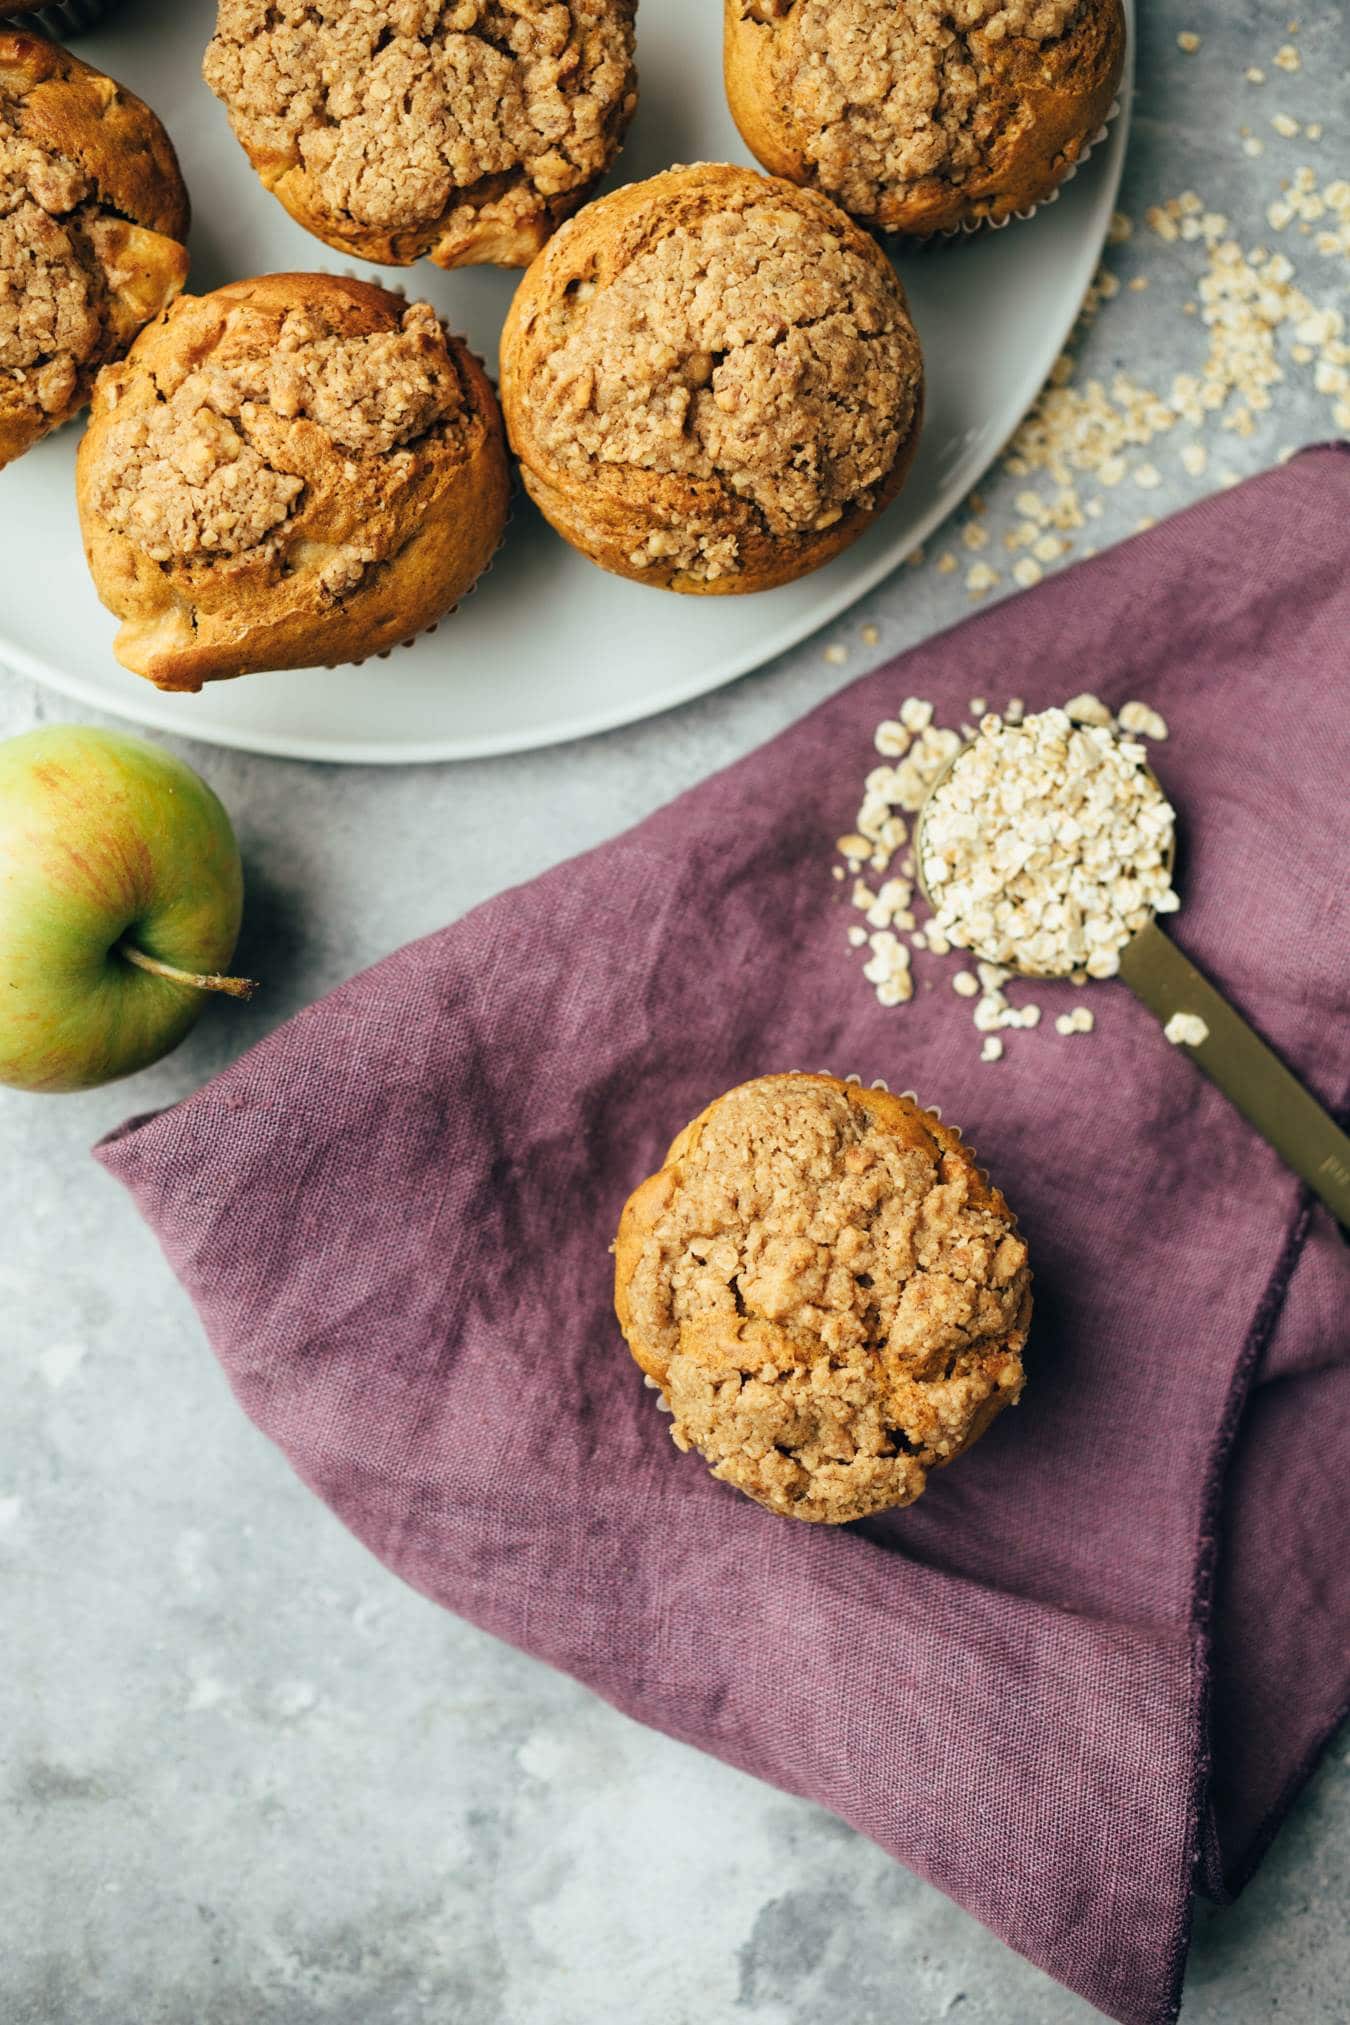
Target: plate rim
<point x="149" y="712"/>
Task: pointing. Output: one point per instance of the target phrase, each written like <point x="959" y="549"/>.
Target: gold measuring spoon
<point x="1232" y="1054"/>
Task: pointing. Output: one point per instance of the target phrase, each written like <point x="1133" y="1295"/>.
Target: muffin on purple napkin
<point x="827" y="1291"/>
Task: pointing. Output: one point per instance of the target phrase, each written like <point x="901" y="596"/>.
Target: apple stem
<point x="233" y="987"/>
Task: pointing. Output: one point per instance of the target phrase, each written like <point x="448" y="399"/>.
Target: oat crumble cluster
<point x="1047" y="846"/>
<point x="400" y="110"/>
<point x="77" y="278"/>
<point x="194" y="475"/>
<point x="829" y="1295"/>
<point x="747" y="349"/>
<point x="51" y="280"/>
<point x="891" y="96"/>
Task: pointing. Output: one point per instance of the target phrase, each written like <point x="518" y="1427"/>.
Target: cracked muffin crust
<point x="93" y="214"/>
<point x="465" y="130"/>
<point x="295" y="469"/>
<point x="830" y="1295"/>
<point x="925" y="117"/>
<point x="711" y="381"/>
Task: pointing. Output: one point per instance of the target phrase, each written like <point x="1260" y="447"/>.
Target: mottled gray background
<point x="247" y="1777"/>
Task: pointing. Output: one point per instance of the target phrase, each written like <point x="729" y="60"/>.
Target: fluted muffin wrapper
<point x="877" y="1083"/>
<point x="972" y="228"/>
<point x="63" y="18"/>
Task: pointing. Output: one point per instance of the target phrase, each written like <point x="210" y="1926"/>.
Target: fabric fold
<point x="1093" y="1661"/>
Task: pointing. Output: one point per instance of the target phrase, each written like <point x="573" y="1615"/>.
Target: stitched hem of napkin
<point x="1203" y="1857"/>
<point x="1202" y="1840"/>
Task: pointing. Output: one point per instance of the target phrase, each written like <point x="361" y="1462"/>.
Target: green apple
<point x="120" y="899"/>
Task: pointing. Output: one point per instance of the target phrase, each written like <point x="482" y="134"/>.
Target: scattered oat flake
<point x="1188" y="41"/>
<point x="1079" y="1021"/>
<point x="1255" y="76"/>
<point x="980" y="578"/>
<point x="1288" y="58"/>
<point x="836" y="655"/>
<point x="1285" y="124"/>
<point x="1186" y="1030"/>
<point x="1194" y="458"/>
<point x="992" y="1049"/>
<point x="1087" y="709"/>
<point x="946" y="563"/>
<point x="871" y="636"/>
<point x="1143" y="721"/>
<point x="965" y="984"/>
<point x="1253" y="145"/>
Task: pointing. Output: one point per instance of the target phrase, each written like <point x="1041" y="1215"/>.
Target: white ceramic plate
<point x="549" y="647"/>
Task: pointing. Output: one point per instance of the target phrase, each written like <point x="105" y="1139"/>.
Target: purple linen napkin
<point x="1088" y="1669"/>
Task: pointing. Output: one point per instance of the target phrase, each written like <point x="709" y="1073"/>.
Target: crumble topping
<point x="53" y="291"/>
<point x="888" y="96"/>
<point x="198" y="473"/>
<point x="836" y="1303"/>
<point x="394" y="107"/>
<point x="752" y="348"/>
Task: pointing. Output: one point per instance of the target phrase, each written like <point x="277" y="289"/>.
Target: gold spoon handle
<point x="1250" y="1074"/>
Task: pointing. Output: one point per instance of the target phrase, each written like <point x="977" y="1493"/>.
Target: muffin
<point x="930" y="117"/>
<point x="711" y="381"/>
<point x="63" y="17"/>
<point x="465" y="130"/>
<point x="830" y="1295"/>
<point x="292" y="470"/>
<point x="93" y="215"/>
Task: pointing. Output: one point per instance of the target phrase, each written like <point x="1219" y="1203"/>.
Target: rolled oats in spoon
<point x="1046" y="847"/>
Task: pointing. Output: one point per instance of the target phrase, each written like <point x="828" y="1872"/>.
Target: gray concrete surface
<point x="245" y="1778"/>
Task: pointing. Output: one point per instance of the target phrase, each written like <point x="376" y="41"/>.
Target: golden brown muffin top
<point x="831" y="1296"/>
<point x="885" y="97"/>
<point x="394" y="107"/>
<point x="213" y="468"/>
<point x="742" y="342"/>
<point x="82" y="164"/>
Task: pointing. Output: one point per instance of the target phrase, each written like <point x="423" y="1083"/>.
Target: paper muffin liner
<point x="877" y="1083"/>
<point x="386" y="653"/>
<point x="972" y="228"/>
<point x="63" y="18"/>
